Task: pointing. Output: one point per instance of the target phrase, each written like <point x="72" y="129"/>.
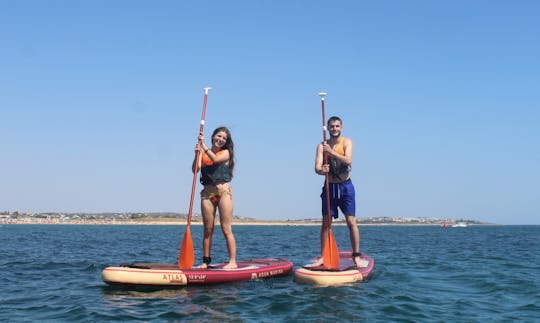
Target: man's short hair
<point x="334" y="118"/>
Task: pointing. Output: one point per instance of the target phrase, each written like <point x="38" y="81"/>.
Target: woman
<point x="216" y="164"/>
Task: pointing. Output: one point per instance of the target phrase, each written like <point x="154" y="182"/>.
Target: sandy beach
<point x="152" y="221"/>
<point x="181" y="219"/>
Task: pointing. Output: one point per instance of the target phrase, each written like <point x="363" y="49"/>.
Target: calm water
<point x="422" y="274"/>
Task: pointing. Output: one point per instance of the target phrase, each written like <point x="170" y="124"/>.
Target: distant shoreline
<point x="170" y="218"/>
<point x="183" y="222"/>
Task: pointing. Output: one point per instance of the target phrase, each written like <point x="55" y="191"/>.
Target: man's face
<point x="334" y="128"/>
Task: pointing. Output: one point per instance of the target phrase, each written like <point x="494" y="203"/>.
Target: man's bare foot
<point x="317" y="263"/>
<point x="360" y="263"/>
<point x="230" y="265"/>
<point x="202" y="266"/>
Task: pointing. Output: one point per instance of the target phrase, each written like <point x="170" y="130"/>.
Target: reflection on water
<point x="214" y="301"/>
<point x="117" y="293"/>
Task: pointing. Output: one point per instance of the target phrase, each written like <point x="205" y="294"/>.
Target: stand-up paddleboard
<point x="346" y="273"/>
<point x="169" y="275"/>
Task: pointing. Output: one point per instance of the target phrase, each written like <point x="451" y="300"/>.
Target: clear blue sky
<point x="100" y="104"/>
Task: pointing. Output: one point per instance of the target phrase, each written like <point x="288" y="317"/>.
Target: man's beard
<point x="335" y="136"/>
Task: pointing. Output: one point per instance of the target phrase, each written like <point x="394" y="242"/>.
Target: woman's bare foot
<point x="231" y="265"/>
<point x="202" y="266"/>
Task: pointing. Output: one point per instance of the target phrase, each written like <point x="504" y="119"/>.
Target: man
<point x="340" y="151"/>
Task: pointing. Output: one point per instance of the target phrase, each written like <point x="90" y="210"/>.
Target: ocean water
<point x="422" y="274"/>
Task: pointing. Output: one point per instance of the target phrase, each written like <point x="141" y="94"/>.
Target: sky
<point x="100" y="104"/>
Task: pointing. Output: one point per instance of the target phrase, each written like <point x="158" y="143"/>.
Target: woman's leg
<point x="208" y="214"/>
<point x="226" y="217"/>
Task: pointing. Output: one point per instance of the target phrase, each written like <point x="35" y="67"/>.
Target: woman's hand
<point x="201" y="143"/>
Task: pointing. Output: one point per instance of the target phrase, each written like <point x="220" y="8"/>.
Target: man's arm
<point x="319" y="160"/>
<point x="347" y="148"/>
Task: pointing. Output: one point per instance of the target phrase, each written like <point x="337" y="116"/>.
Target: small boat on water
<point x="460" y="225"/>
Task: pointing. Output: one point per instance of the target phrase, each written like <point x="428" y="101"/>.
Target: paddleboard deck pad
<point x="169" y="275"/>
<point x="346" y="273"/>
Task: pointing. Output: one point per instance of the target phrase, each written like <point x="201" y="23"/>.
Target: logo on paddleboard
<point x="174" y="278"/>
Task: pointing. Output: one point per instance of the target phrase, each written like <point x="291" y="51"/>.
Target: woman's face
<point x="219" y="139"/>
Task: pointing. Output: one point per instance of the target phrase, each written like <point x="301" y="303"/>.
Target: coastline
<point x="174" y="218"/>
<point x="236" y="222"/>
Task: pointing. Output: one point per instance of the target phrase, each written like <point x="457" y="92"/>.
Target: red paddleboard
<point x="169" y="275"/>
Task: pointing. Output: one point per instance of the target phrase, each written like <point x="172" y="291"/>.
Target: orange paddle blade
<point x="330" y="252"/>
<point x="186" y="259"/>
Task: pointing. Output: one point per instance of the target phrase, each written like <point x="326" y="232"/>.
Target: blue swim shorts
<point x="342" y="196"/>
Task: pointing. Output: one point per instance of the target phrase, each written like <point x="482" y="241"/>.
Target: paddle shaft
<point x="330" y="253"/>
<point x="325" y="157"/>
<point x="197" y="156"/>
<point x="186" y="258"/>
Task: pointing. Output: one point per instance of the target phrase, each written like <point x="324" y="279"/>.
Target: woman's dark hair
<point x="229" y="145"/>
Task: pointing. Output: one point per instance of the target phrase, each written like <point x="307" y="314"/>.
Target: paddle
<point x="330" y="253"/>
<point x="186" y="258"/>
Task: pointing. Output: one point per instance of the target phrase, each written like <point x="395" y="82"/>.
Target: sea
<point x="52" y="273"/>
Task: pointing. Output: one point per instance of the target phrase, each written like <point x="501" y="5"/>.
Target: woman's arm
<point x="220" y="157"/>
<point x="196" y="165"/>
